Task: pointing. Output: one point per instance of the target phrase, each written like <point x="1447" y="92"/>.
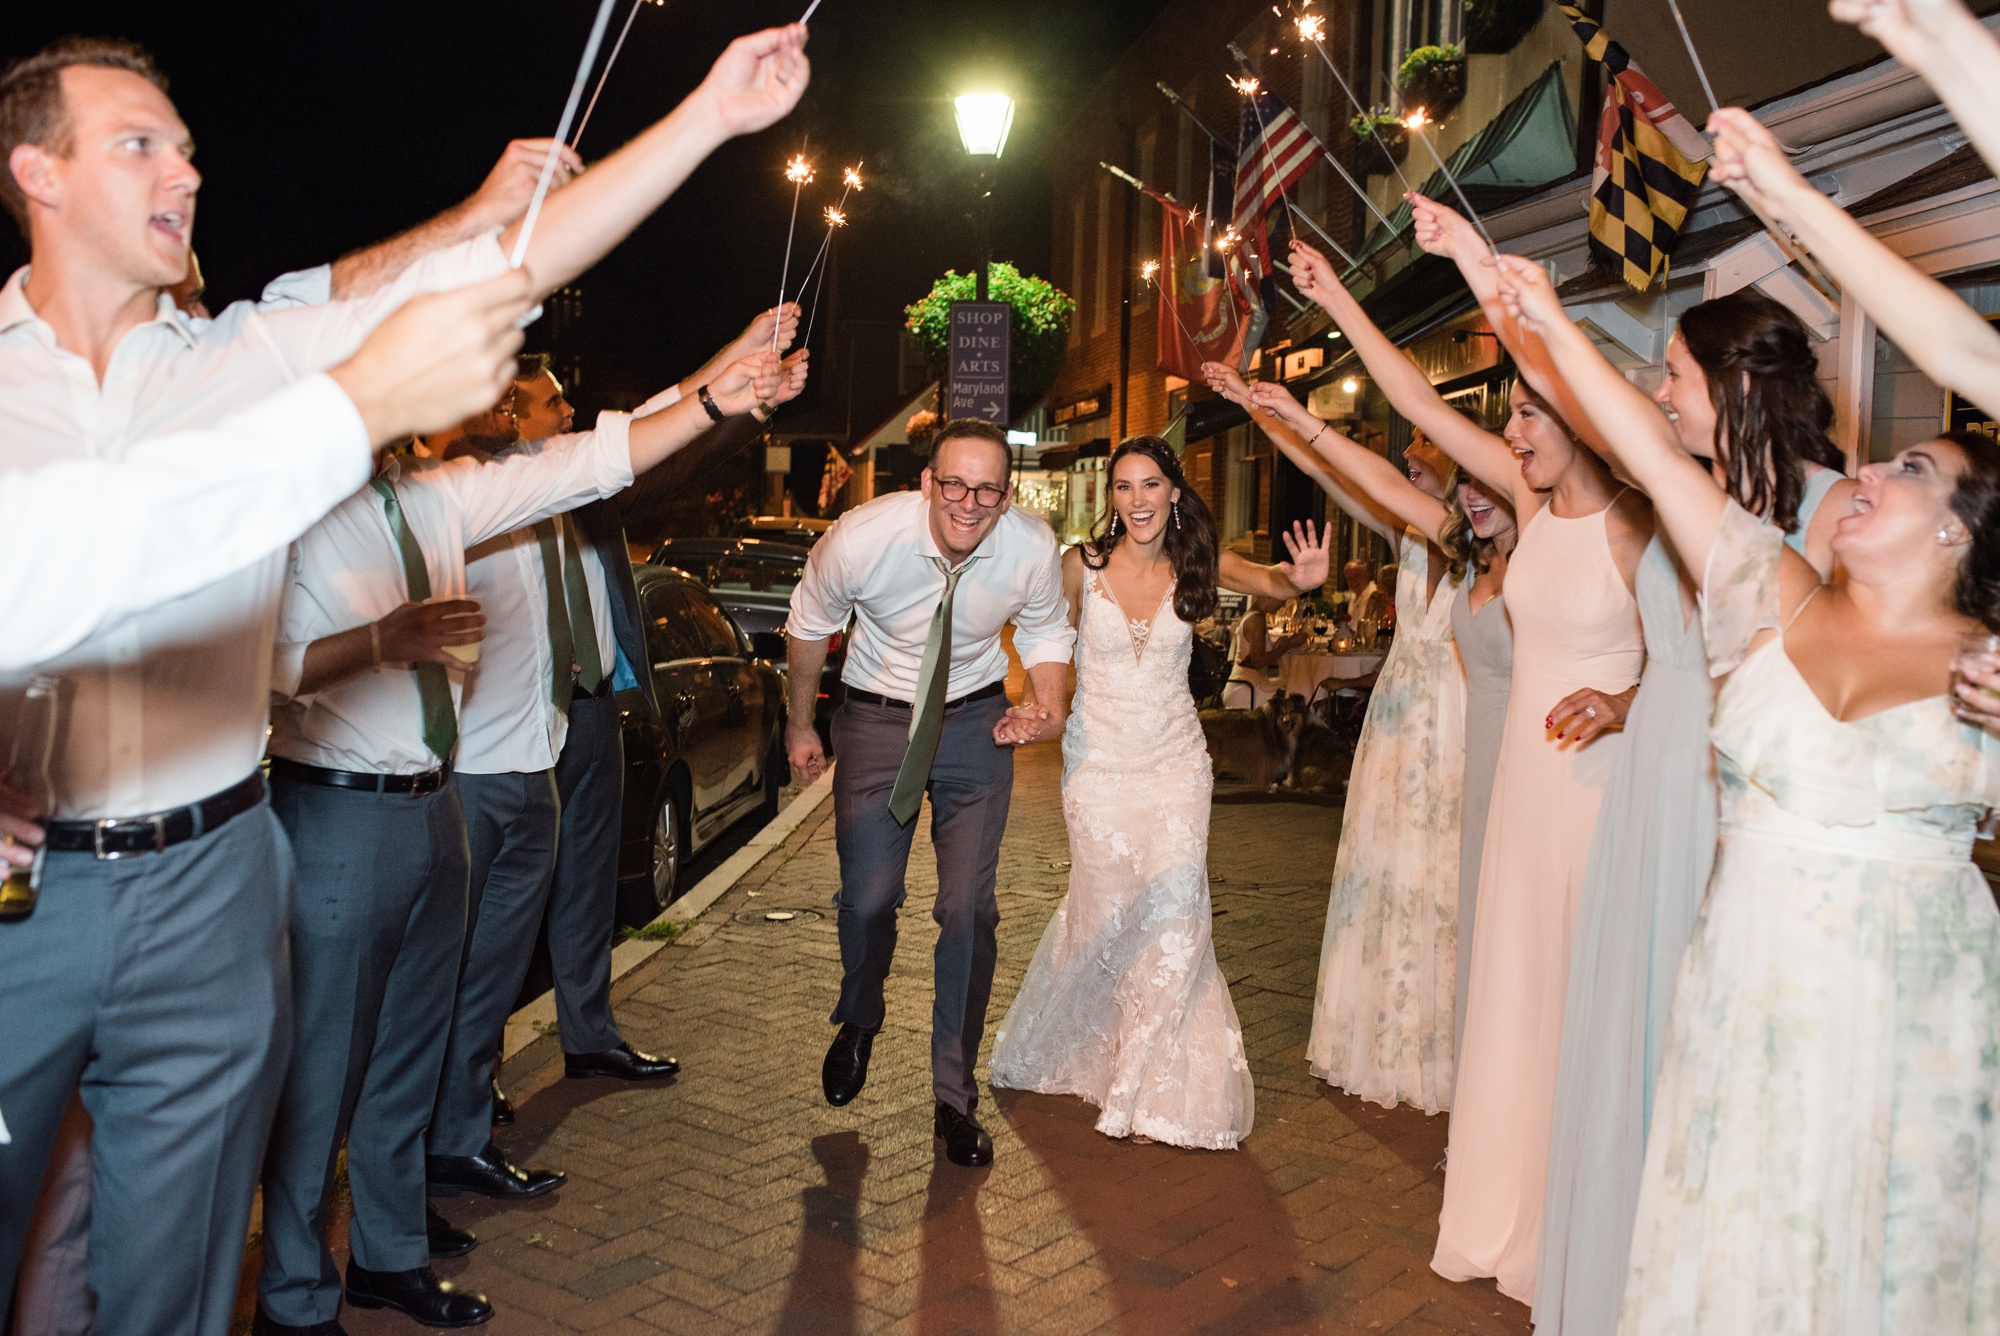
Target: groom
<point x="930" y="580"/>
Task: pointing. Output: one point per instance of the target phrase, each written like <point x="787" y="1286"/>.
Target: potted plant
<point x="1379" y="158"/>
<point x="1495" y="27"/>
<point x="1040" y="325"/>
<point x="1433" y="77"/>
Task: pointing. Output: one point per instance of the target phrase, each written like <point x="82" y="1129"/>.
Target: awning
<point x="1529" y="144"/>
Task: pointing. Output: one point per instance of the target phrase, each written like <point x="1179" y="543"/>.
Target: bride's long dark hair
<point x="1190" y="543"/>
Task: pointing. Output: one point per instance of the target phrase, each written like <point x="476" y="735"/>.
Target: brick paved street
<point x="736" y="1201"/>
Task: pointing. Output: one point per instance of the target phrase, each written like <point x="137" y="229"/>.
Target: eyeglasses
<point x="986" y="494"/>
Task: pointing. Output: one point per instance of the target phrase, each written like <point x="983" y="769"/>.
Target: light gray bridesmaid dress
<point x="1486" y="647"/>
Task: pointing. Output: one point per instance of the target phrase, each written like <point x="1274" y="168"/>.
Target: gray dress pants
<point x="160" y="986"/>
<point x="971" y="785"/>
<point x="377" y="931"/>
<point x="583" y="906"/>
<point x="510" y="828"/>
<point x="52" y="1291"/>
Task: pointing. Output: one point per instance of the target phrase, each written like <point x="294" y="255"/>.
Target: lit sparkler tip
<point x="834" y="217"/>
<point x="798" y="171"/>
<point x="1150" y="270"/>
<point x="1312" y="27"/>
<point x="851" y="178"/>
<point x="1227" y="242"/>
<point x="1246" y="85"/>
<point x="1417" y="119"/>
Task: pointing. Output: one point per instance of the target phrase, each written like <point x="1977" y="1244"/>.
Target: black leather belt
<point x="417" y="786"/>
<point x="987" y="692"/>
<point x="121" y="837"/>
<point x="603" y="689"/>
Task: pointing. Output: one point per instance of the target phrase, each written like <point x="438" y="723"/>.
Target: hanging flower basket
<point x="1495" y="27"/>
<point x="1432" y="77"/>
<point x="1381" y="159"/>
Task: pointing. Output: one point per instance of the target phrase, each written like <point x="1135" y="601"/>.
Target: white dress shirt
<point x="879" y="563"/>
<point x="101" y="540"/>
<point x="348" y="571"/>
<point x="170" y="705"/>
<point x="508" y="722"/>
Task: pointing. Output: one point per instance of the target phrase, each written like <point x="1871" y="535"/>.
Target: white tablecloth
<point x="1302" y="670"/>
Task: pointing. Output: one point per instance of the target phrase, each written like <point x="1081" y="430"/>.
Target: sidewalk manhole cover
<point x="779" y="916"/>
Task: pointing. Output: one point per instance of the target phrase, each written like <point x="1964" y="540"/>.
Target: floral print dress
<point x="1825" y="1150"/>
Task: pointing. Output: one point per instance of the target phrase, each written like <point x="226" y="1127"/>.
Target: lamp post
<point x="983" y="122"/>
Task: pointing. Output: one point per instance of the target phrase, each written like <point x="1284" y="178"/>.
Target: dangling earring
<point x="1112" y="528"/>
<point x="1177" y="514"/>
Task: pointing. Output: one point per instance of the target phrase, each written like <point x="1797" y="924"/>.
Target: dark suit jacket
<point x="602" y="524"/>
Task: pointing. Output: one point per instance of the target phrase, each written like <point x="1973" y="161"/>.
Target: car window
<point x="715" y="631"/>
<point x="737" y="574"/>
<point x="779" y="577"/>
<point x="670" y="633"/>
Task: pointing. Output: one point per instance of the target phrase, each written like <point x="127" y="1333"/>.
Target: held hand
<point x="1444" y="231"/>
<point x="1905" y="28"/>
<point x="803" y="750"/>
<point x="1976" y="695"/>
<point x="505" y="194"/>
<point x="744" y="383"/>
<point x="1313" y="274"/>
<point x="1025" y="724"/>
<point x="1224" y="380"/>
<point x="791" y="382"/>
<point x="1527" y="295"/>
<point x="1276" y="401"/>
<point x="757" y="334"/>
<point x="758" y="79"/>
<point x="1751" y="162"/>
<point x="22" y="835"/>
<point x="1311" y="563"/>
<point x="439" y="359"/>
<point x="425" y="632"/>
<point x="1583" y="715"/>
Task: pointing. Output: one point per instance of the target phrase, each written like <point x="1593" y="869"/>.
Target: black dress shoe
<point x="624" y="1062"/>
<point x="487" y="1174"/>
<point x="845" y="1070"/>
<point x="447" y="1239"/>
<point x="260" y="1325"/>
<point x="503" y="1108"/>
<point x="965" y="1141"/>
<point x="421" y="1294"/>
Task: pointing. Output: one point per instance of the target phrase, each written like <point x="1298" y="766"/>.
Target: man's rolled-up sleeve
<point x="823" y="599"/>
<point x="538" y="480"/>
<point x="1042" y="633"/>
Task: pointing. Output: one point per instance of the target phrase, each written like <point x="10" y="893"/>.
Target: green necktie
<point x="582" y="624"/>
<point x="433" y="687"/>
<point x="562" y="655"/>
<point x="927" y="712"/>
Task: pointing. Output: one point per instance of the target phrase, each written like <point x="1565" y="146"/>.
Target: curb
<point x="528" y="1024"/>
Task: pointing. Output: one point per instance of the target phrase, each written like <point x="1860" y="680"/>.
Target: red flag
<point x="1198" y="321"/>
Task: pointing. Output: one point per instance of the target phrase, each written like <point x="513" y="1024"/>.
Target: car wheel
<point x="777" y="773"/>
<point x="668" y="849"/>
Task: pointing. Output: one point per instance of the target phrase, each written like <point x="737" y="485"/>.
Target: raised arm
<point x="739" y="389"/>
<point x="1377" y="478"/>
<point x="1305" y="572"/>
<point x="755" y="84"/>
<point x="1954" y="52"/>
<point x="1946" y="338"/>
<point x="1483" y="455"/>
<point x="1352" y="499"/>
<point x="501" y="199"/>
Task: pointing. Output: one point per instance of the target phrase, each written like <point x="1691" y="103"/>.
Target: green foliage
<point x="1493" y="27"/>
<point x="1039" y="329"/>
<point x="656" y="931"/>
<point x="1424" y="59"/>
<point x="1380" y="120"/>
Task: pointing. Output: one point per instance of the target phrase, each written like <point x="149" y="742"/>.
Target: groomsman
<point x="930" y="580"/>
<point x="163" y="855"/>
<point x="590" y="769"/>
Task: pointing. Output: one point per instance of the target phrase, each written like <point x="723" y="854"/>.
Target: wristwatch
<point x="708" y="404"/>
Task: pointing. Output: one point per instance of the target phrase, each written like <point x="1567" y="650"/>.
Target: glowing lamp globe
<point x="983" y="122"/>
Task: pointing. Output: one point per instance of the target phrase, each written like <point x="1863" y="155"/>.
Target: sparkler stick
<point x="1248" y="86"/>
<point x="835" y="217"/>
<point x="1150" y="272"/>
<point x="807" y="16"/>
<point x="1416" y="121"/>
<point x="616" y="47"/>
<point x="562" y="131"/>
<point x="1312" y="30"/>
<point x="1708" y="89"/>
<point x="798" y="171"/>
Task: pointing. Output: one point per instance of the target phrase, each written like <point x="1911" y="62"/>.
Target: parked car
<point x="753" y="578"/>
<point x="797" y="530"/>
<point x="714" y="754"/>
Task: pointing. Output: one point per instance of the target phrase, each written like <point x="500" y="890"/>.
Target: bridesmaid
<point x="1382" y="1026"/>
<point x="1578" y="650"/>
<point x="1742" y="395"/>
<point x="1824" y="1156"/>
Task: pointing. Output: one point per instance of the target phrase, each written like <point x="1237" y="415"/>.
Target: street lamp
<point x="983" y="122"/>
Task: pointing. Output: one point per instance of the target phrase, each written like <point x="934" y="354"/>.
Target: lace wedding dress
<point x="1123" y="1003"/>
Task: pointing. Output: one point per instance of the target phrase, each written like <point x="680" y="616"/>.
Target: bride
<point x="1123" y="1003"/>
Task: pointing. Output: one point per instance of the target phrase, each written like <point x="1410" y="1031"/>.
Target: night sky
<point x="324" y="127"/>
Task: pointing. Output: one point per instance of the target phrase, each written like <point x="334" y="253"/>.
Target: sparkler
<point x="1248" y="86"/>
<point x="1312" y="31"/>
<point x="807" y="16"/>
<point x="616" y="47"/>
<point x="836" y="217"/>
<point x="798" y="171"/>
<point x="1416" y="121"/>
<point x="562" y="132"/>
<point x="1150" y="272"/>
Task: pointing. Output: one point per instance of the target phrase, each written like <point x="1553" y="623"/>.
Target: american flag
<point x="1273" y="150"/>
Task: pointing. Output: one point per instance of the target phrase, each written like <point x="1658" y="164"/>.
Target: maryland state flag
<point x="1650" y="162"/>
<point x="1198" y="321"/>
